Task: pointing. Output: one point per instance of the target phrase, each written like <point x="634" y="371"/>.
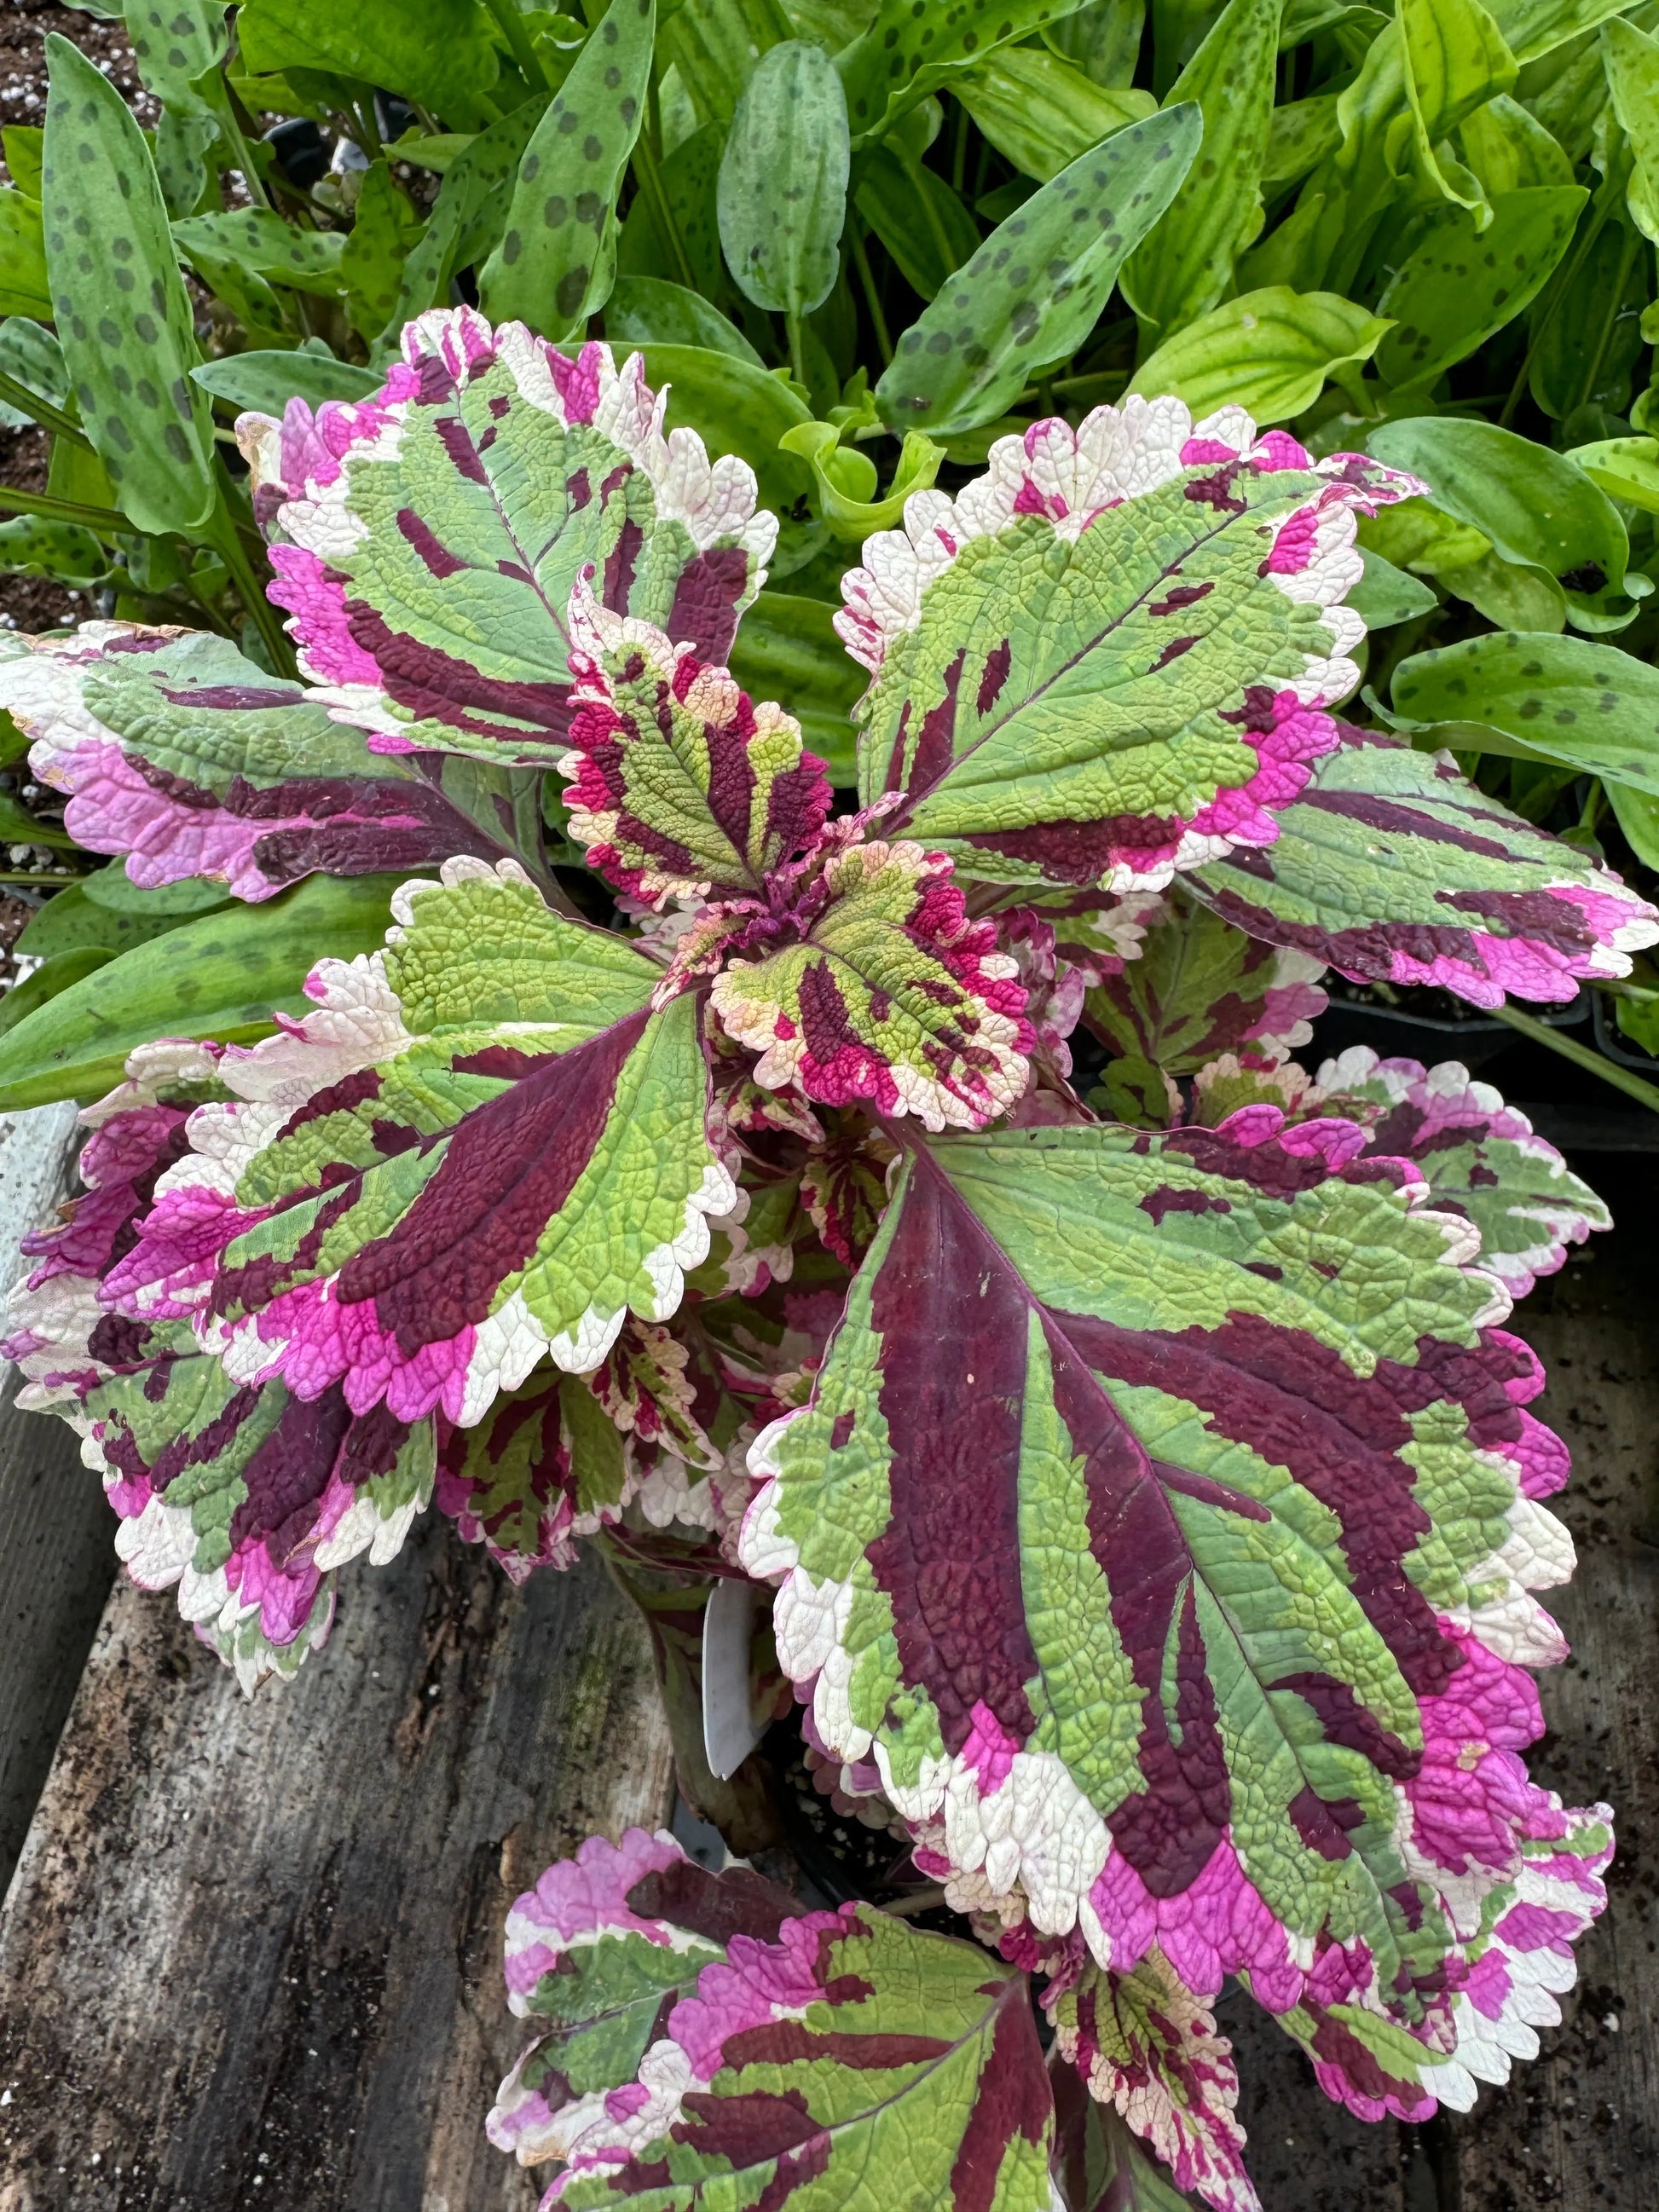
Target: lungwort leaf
<point x="1110" y="654"/>
<point x="1393" y="868"/>
<point x="120" y="306"/>
<point x="427" y="541"/>
<point x="1163" y="1527"/>
<point x="783" y="181"/>
<point x="1559" y="698"/>
<point x="1032" y="293"/>
<point x="707" y="2036"/>
<point x="503" y="1154"/>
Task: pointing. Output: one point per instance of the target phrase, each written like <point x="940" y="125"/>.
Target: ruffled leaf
<point x="889" y="994"/>
<point x="426" y="541"/>
<point x="1393" y="868"/>
<point x="544" y="1466"/>
<point x="1109" y="656"/>
<point x="1159" y="1500"/>
<point x="177" y="752"/>
<point x="836" y="2048"/>
<point x="484" y="1147"/>
<point x="1478" y="1156"/>
<point x="1200" y="989"/>
<point x="681" y="787"/>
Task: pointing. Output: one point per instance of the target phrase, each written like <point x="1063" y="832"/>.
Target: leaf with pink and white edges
<point x="649" y="1385"/>
<point x="247" y="1499"/>
<point x="681" y="787"/>
<point x="1392" y="867"/>
<point x="179" y="753"/>
<point x="882" y="989"/>
<point x="1157" y="1495"/>
<point x="1099" y="2164"/>
<point x="1478" y="1156"/>
<point x="1147" y="2046"/>
<point x="1201" y="988"/>
<point x="1110" y="656"/>
<point x="485" y="1146"/>
<point x="843" y="1186"/>
<point x="842" y="2056"/>
<point x="544" y="1466"/>
<point x="427" y="540"/>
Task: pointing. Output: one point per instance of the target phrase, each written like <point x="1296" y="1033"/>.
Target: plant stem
<point x="43" y="411"/>
<point x="102" y="519"/>
<point x="1645" y="1094"/>
<point x="222" y="535"/>
<point x="645" y="160"/>
<point x="510" y="23"/>
<point x="797" y="358"/>
<point x="23" y="875"/>
<point x="872" y="297"/>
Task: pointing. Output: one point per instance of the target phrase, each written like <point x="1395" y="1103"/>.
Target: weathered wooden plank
<point x="253" y="1953"/>
<point x="57" y="1554"/>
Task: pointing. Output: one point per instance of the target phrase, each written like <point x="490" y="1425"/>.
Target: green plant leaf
<point x="32" y="357"/>
<point x="786" y="649"/>
<point x="440" y="53"/>
<point x="645" y="311"/>
<point x="1632" y="65"/>
<point x="557" y="258"/>
<point x="1461" y="284"/>
<point x="123" y="315"/>
<point x="916" y="216"/>
<point x="25" y="149"/>
<point x="1566" y="699"/>
<point x="1386" y="595"/>
<point x="69" y="921"/>
<point x="843" y="478"/>
<point x="113" y="888"/>
<point x="24" y="289"/>
<point x="1624" y="468"/>
<point x="1269" y="352"/>
<point x="470" y="212"/>
<point x="783" y="181"/>
<point x="1032" y="293"/>
<point x="715" y="46"/>
<point x="383" y="234"/>
<point x="1454" y="60"/>
<point x="56" y="973"/>
<point x="220" y="976"/>
<point x="266" y="380"/>
<point x="1537" y="507"/>
<point x="1533" y="29"/>
<point x="908" y="51"/>
<point x="1302" y="133"/>
<point x="1040" y="112"/>
<point x="174" y="42"/>
<point x="1587" y="332"/>
<point x="31" y="546"/>
<point x="257" y="240"/>
<point x="1186" y="266"/>
<point x="1509" y="149"/>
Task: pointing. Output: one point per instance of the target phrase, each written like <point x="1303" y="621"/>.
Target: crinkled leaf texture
<point x="177" y="752"/>
<point x="1393" y="868"/>
<point x="485" y="1146"/>
<point x="1110" y="656"/>
<point x="1164" y="1525"/>
<point x="427" y="540"/>
<point x="1200" y="989"/>
<point x="712" y="2041"/>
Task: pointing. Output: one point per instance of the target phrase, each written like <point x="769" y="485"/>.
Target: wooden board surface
<point x="57" y="1557"/>
<point x="251" y="1957"/>
<point x="253" y="1953"/>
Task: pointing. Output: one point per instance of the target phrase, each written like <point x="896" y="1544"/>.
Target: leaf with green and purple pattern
<point x="681" y="787"/>
<point x="1479" y="1157"/>
<point x="544" y="1467"/>
<point x="485" y="1146"/>
<point x="427" y="540"/>
<point x="1160" y="1499"/>
<point x="1393" y="867"/>
<point x="1100" y="2164"/>
<point x="841" y="2055"/>
<point x="880" y="988"/>
<point x="1148" y="2048"/>
<point x="1110" y="656"/>
<point x="179" y="753"/>
<point x="1199" y="990"/>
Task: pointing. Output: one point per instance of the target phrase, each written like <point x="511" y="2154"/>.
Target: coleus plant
<point x="1146" y="1478"/>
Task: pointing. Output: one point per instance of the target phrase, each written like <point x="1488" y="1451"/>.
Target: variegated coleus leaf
<point x="544" y="1466"/>
<point x="1147" y="2047"/>
<point x="1100" y="2164"/>
<point x="880" y="990"/>
<point x="682" y="787"/>
<point x="1159" y="1500"/>
<point x="485" y="1146"/>
<point x="1110" y="656"/>
<point x="842" y="2058"/>
<point x="243" y="1496"/>
<point x="426" y="540"/>
<point x="1393" y="867"/>
<point x="1478" y="1155"/>
<point x="179" y="753"/>
<point x="843" y="1186"/>
<point x="1201" y="988"/>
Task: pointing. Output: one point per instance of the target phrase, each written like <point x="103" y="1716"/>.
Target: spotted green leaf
<point x="122" y="312"/>
<point x="906" y="53"/>
<point x="173" y="43"/>
<point x="24" y="289"/>
<point x="266" y="380"/>
<point x="470" y="211"/>
<point x="715" y="45"/>
<point x="783" y="181"/>
<point x="1042" y="110"/>
<point x="1032" y="293"/>
<point x="1269" y="352"/>
<point x="1455" y="61"/>
<point x="440" y="53"/>
<point x="557" y="258"/>
<point x="1185" y="267"/>
<point x="309" y="260"/>
<point x="1463" y="283"/>
<point x="1560" y="698"/>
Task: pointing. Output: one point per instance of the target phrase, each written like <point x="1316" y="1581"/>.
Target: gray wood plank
<point x="252" y="1956"/>
<point x="57" y="1549"/>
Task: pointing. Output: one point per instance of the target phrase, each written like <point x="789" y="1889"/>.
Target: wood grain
<point x="251" y="1957"/>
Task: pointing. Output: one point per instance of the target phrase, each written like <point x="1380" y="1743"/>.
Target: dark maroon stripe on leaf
<point x="1014" y="2100"/>
<point x="739" y="1902"/>
<point x="705" y="609"/>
